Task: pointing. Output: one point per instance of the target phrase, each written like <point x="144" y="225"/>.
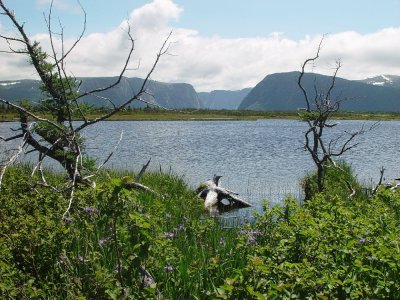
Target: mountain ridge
<point x="279" y="91"/>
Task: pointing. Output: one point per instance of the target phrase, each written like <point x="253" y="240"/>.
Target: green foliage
<point x="114" y="243"/>
<point x="308" y="115"/>
<point x="338" y="180"/>
<point x="331" y="247"/>
<point x="122" y="244"/>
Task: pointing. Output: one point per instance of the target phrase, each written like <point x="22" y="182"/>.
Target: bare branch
<point x="141" y="187"/>
<point x="71" y="195"/>
<point x="136" y="96"/>
<point x="64" y="56"/>
<point x="124" y="68"/>
<point x="140" y="174"/>
<point x="382" y="171"/>
<point x="306" y="62"/>
<point x="12" y="159"/>
<point x="115" y="149"/>
<point x="29" y="113"/>
<point x="11" y="138"/>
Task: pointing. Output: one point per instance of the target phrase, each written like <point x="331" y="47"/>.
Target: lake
<point x="258" y="159"/>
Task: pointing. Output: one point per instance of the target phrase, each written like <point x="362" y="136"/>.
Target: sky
<point x="215" y="44"/>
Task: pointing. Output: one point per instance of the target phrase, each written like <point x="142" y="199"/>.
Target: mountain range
<point x="171" y="95"/>
<point x="280" y="92"/>
<point x="277" y="91"/>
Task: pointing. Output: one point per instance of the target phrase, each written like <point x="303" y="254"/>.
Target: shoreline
<point x="217" y="115"/>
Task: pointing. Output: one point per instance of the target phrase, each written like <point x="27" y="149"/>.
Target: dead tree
<point x="215" y="195"/>
<point x="58" y="137"/>
<point x="318" y="115"/>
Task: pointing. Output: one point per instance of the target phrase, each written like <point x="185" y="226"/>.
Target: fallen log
<point x="134" y="184"/>
<point x="215" y="195"/>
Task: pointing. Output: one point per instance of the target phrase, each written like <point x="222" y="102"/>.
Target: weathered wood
<point x="140" y="187"/>
<point x="214" y="195"/>
<point x="134" y="184"/>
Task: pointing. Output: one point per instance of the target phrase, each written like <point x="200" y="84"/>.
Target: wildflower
<point x="118" y="267"/>
<point x="168" y="268"/>
<point x="147" y="280"/>
<point x="89" y="210"/>
<point x="252" y="237"/>
<point x="222" y="241"/>
<point x="256" y="232"/>
<point x="363" y="240"/>
<point x="251" y="240"/>
<point x="169" y="235"/>
<point x="103" y="241"/>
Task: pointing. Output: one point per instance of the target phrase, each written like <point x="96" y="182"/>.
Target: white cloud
<point x="215" y="62"/>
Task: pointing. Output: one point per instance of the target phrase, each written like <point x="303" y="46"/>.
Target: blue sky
<point x="221" y="44"/>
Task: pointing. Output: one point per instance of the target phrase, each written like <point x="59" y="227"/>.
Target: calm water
<point x="255" y="158"/>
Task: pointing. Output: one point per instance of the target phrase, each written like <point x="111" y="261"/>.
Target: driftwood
<point x="134" y="184"/>
<point x="215" y="195"/>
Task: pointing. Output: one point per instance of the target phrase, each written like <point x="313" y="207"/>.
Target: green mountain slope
<point x="281" y="92"/>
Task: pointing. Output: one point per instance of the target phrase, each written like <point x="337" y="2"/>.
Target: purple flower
<point x="168" y="268"/>
<point x="147" y="280"/>
<point x="103" y="241"/>
<point x="363" y="240"/>
<point x="252" y="237"/>
<point x="169" y="235"/>
<point x="222" y="241"/>
<point x="118" y="267"/>
<point x="251" y="240"/>
<point x="256" y="232"/>
<point x="89" y="210"/>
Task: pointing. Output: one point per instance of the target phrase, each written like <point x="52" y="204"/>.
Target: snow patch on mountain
<point x="9" y="83"/>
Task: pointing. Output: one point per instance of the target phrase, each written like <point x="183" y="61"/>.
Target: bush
<point x="330" y="247"/>
<point x="338" y="180"/>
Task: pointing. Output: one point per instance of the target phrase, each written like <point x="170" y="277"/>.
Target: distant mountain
<point x="170" y="95"/>
<point x="281" y="92"/>
<point x="20" y="89"/>
<point x="275" y="92"/>
<point x="384" y="80"/>
<point x="221" y="99"/>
